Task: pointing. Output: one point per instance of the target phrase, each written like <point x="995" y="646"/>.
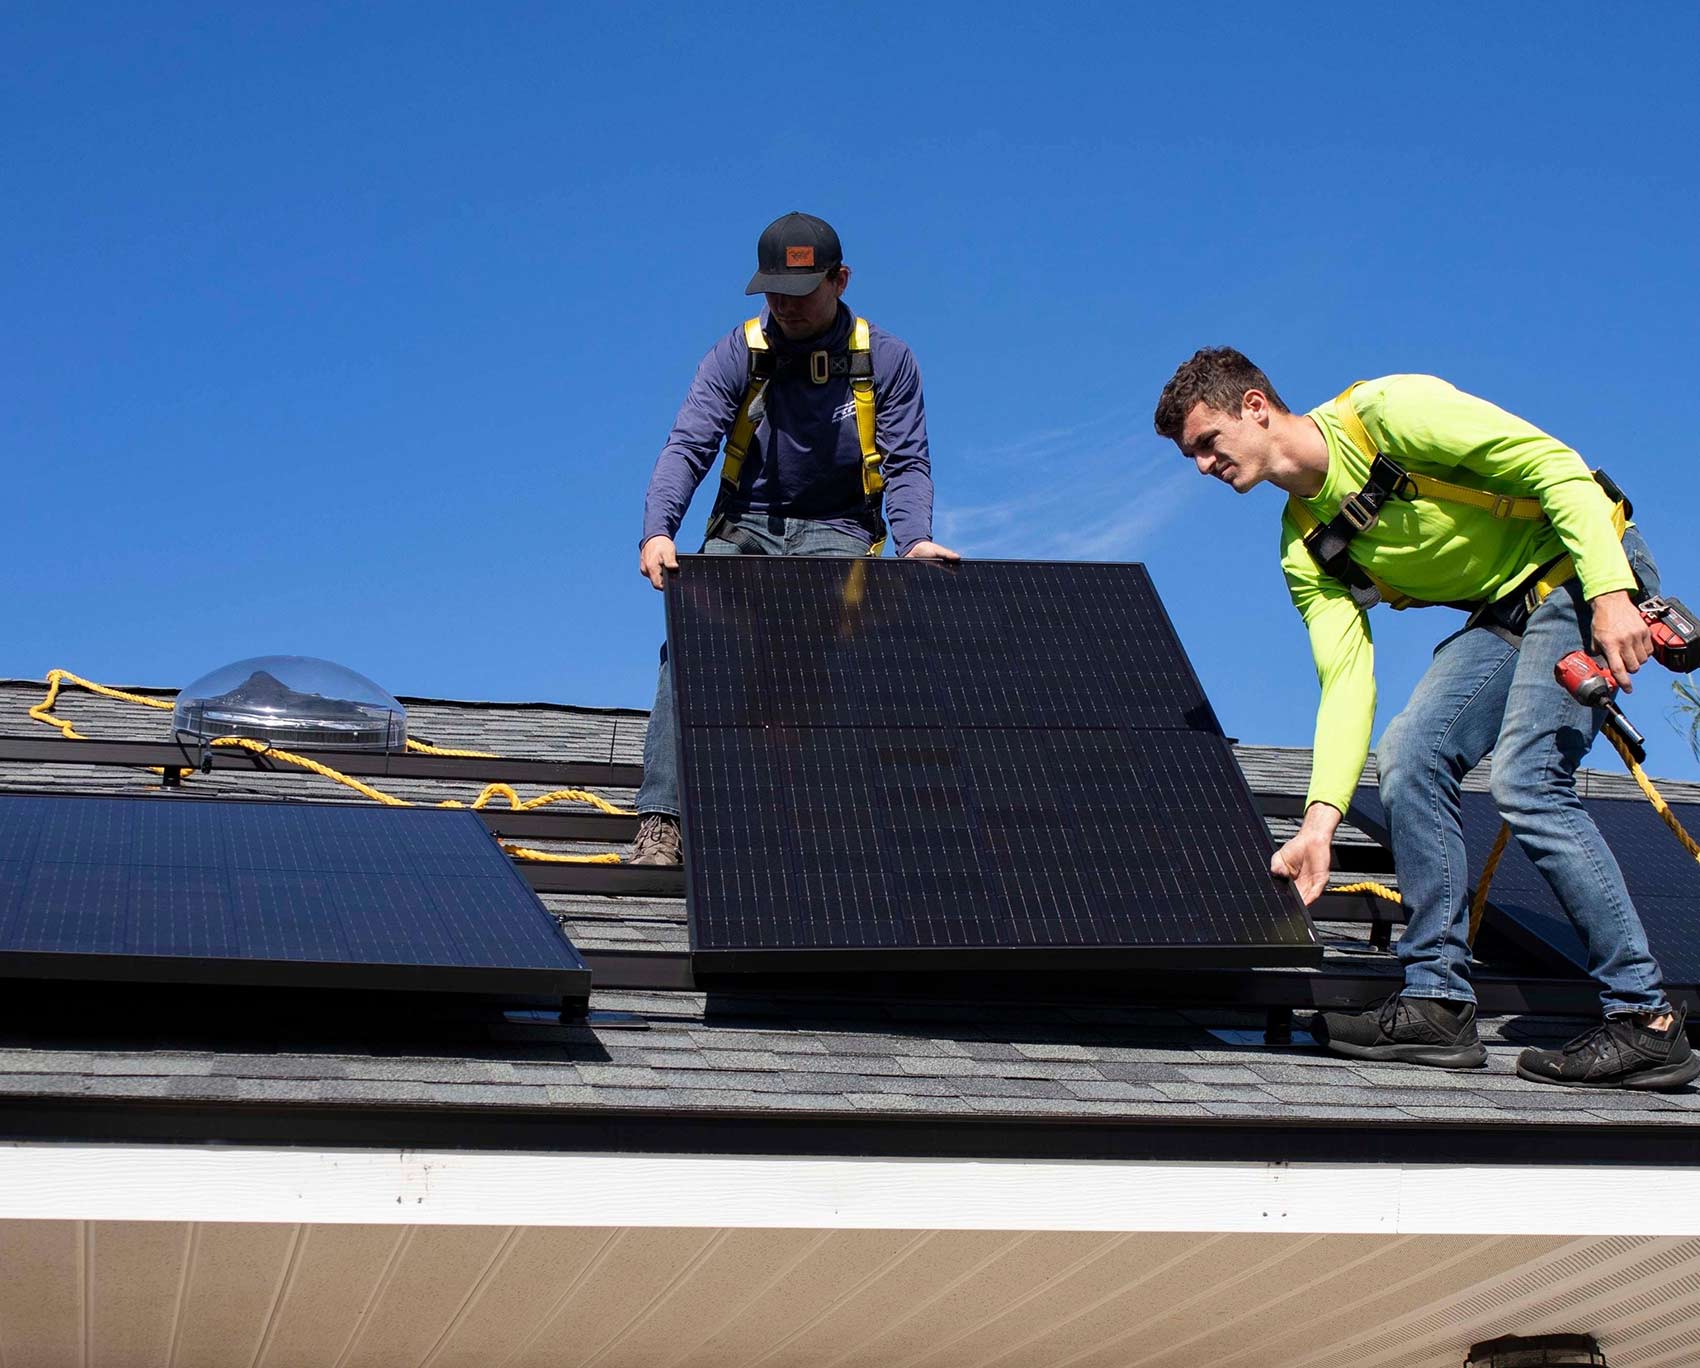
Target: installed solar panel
<point x="994" y="764"/>
<point x="187" y="890"/>
<point x="1662" y="878"/>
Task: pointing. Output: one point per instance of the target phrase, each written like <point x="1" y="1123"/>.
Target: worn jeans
<point x="777" y="537"/>
<point x="1480" y="694"/>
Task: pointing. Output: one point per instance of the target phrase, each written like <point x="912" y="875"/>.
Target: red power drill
<point x="1676" y="645"/>
<point x="1589" y="681"/>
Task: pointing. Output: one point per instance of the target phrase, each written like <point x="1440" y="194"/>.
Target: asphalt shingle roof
<point x="689" y="1054"/>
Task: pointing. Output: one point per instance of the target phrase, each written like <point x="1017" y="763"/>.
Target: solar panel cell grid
<point x="988" y="757"/>
<point x="254" y="886"/>
<point x="839" y="646"/>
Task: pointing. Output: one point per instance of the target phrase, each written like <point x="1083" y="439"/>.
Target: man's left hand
<point x="929" y="550"/>
<point x="1621" y="636"/>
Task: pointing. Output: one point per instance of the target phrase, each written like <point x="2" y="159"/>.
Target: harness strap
<point x="820" y="365"/>
<point x="744" y="425"/>
<point x="1426" y="486"/>
<point x="856" y="362"/>
<point x="1329" y="543"/>
<point x="862" y="392"/>
<point x="1508" y="615"/>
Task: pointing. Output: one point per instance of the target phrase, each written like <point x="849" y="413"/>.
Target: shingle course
<point x="749" y="1052"/>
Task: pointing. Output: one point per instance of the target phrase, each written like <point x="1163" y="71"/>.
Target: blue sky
<point x="354" y="330"/>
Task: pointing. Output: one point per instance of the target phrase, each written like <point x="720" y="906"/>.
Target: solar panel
<point x="903" y="765"/>
<point x="1662" y="878"/>
<point x="182" y="890"/>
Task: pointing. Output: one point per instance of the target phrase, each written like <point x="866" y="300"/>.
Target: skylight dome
<point x="292" y="701"/>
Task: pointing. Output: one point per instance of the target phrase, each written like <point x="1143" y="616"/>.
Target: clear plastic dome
<point x="292" y="701"/>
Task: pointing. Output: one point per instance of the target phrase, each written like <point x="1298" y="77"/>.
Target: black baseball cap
<point x="794" y="255"/>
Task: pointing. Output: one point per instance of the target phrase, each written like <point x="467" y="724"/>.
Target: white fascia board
<point x="237" y="1184"/>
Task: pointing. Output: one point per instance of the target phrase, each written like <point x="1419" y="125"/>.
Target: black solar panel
<point x="1663" y="880"/>
<point x="995" y="764"/>
<point x="244" y="893"/>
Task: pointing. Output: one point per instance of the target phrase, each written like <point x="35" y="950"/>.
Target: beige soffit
<point x="124" y="1294"/>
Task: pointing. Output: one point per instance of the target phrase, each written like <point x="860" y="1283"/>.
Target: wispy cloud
<point x="1096" y="490"/>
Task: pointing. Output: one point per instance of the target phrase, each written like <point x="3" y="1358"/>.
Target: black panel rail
<point x="179" y="759"/>
<point x="558" y="822"/>
<point x="616" y="880"/>
<point x="1337" y="983"/>
<point x="663" y="881"/>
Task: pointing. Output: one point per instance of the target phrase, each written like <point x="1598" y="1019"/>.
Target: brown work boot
<point x="657" y="841"/>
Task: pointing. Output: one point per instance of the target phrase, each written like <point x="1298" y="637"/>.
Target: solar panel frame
<point x="249" y="894"/>
<point x="1168" y="705"/>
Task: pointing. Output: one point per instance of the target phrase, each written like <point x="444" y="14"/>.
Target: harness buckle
<point x="1503" y="505"/>
<point x="820" y="367"/>
<point x="1358" y="511"/>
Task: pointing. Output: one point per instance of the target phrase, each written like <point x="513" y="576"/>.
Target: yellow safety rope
<point x="56" y="679"/>
<point x="1368" y="886"/>
<point x="520" y="852"/>
<point x="1479" y="900"/>
<point x="43" y="711"/>
<point x="423" y="749"/>
<point x="566" y="795"/>
<point x="1653" y="796"/>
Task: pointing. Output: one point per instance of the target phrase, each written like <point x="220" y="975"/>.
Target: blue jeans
<point x="1480" y="695"/>
<point x="777" y="537"/>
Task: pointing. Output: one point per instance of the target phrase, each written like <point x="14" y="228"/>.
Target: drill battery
<point x="1676" y="636"/>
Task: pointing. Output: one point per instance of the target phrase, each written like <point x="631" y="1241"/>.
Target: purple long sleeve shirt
<point x="805" y="460"/>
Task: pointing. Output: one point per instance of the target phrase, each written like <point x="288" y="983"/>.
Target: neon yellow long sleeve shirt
<point x="1434" y="551"/>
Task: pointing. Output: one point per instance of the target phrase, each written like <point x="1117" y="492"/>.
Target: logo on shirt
<point x="843" y="411"/>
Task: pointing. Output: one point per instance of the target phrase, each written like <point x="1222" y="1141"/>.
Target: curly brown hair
<point x="1216" y="377"/>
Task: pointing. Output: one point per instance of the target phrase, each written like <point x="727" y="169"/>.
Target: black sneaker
<point x="1623" y="1051"/>
<point x="1411" y="1030"/>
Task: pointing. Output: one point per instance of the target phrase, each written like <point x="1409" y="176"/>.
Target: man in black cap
<point x="826" y="438"/>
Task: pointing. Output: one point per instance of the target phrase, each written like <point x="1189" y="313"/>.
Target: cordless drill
<point x="1589" y="682"/>
<point x="1676" y="645"/>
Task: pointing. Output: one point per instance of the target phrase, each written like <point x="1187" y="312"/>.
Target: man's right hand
<point x="655" y="557"/>
<point x="1306" y="858"/>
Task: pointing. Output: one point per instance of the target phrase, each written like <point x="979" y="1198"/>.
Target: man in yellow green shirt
<point x="1418" y="493"/>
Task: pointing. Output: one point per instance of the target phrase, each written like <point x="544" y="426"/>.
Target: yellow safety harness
<point x="1326" y="541"/>
<point x="856" y="362"/>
